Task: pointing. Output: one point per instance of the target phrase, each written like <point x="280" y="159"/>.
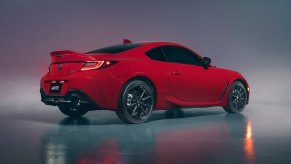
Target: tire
<point x="237" y="98"/>
<point x="73" y="112"/>
<point x="136" y="102"/>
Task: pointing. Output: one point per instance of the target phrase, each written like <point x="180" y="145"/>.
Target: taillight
<point x="91" y="65"/>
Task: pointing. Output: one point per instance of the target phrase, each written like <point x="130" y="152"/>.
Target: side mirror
<point x="206" y="62"/>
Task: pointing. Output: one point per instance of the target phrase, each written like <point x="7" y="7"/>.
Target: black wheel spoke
<point x="131" y="104"/>
<point x="146" y="105"/>
<point x="146" y="98"/>
<point x="139" y="102"/>
<point x="143" y="92"/>
<point x="134" y="112"/>
<point x="142" y="112"/>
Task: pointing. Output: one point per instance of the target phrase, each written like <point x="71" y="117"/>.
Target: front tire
<point x="237" y="98"/>
<point x="136" y="102"/>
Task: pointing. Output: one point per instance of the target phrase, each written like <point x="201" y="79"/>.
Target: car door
<point x="189" y="80"/>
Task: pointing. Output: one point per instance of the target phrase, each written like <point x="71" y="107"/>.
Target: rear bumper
<point x="99" y="86"/>
<point x="69" y="99"/>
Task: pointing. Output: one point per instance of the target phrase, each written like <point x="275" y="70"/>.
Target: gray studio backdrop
<point x="251" y="36"/>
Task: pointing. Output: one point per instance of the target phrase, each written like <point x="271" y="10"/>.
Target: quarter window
<point x="181" y="55"/>
<point x="156" y="54"/>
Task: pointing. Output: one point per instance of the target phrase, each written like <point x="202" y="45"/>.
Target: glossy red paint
<point x="176" y="84"/>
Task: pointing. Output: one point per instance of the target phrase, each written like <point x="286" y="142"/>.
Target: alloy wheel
<point x="139" y="102"/>
<point x="238" y="98"/>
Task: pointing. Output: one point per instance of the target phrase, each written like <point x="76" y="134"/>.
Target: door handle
<point x="176" y="73"/>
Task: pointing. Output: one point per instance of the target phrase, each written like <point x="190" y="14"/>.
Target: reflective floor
<point x="40" y="134"/>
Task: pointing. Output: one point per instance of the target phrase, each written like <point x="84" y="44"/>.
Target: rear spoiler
<point x="60" y="53"/>
<point x="63" y="56"/>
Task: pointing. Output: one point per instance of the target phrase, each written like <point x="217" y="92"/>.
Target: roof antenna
<point x="126" y="41"/>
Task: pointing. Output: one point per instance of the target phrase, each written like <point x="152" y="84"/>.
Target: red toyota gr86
<point x="134" y="79"/>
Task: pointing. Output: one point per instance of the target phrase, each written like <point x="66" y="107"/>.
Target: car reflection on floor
<point x="218" y="138"/>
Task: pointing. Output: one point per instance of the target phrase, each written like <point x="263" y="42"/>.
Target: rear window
<point x="115" y="48"/>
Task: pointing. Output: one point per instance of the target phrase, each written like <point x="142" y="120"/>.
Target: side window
<point x="181" y="55"/>
<point x="156" y="54"/>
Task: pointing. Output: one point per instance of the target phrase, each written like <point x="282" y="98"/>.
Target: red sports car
<point x="134" y="79"/>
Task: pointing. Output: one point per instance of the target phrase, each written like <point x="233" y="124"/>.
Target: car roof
<point x="158" y="43"/>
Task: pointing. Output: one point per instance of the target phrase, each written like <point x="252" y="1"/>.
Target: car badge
<point x="72" y="71"/>
<point x="60" y="67"/>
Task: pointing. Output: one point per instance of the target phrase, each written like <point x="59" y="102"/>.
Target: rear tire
<point x="136" y="102"/>
<point x="73" y="112"/>
<point x="237" y="98"/>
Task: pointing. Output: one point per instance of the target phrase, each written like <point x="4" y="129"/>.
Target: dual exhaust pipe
<point x="73" y="100"/>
